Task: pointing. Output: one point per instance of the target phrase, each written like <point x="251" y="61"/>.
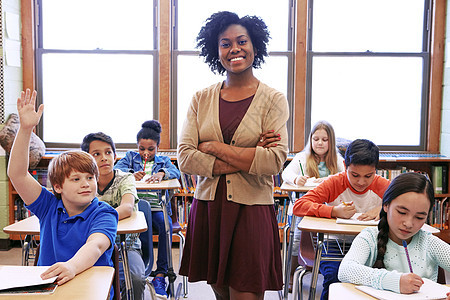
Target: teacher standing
<point x="234" y="139"/>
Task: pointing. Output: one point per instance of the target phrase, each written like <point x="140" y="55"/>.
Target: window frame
<point x="40" y="51"/>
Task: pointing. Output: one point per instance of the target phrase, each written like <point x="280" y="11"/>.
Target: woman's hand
<point x="410" y="283"/>
<point x="268" y="139"/>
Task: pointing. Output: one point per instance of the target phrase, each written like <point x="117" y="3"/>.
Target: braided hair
<point x="402" y="184"/>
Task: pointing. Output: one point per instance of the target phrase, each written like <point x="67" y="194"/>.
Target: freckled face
<point x="406" y="214"/>
<point x="236" y="52"/>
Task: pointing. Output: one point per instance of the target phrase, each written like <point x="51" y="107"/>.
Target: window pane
<point x="86" y="93"/>
<point x="193" y="13"/>
<point x="273" y="73"/>
<point x="98" y="24"/>
<point x="378" y="98"/>
<point x="368" y="25"/>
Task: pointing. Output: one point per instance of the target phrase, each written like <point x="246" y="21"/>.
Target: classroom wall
<point x="445" y="119"/>
<point x="11" y="87"/>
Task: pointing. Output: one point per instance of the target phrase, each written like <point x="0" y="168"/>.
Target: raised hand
<point x="26" y="107"/>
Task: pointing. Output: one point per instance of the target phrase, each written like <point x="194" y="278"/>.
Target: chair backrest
<point x="115" y="260"/>
<point x="147" y="237"/>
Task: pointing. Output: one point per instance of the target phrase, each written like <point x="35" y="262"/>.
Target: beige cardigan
<point x="268" y="110"/>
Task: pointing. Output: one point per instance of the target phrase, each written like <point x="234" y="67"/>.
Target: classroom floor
<point x="198" y="290"/>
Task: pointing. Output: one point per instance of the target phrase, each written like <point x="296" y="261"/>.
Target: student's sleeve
<point x="313" y="203"/>
<point x="106" y="223"/>
<point x="356" y="265"/>
<point x="440" y="251"/>
<point x="169" y="169"/>
<point x="125" y="163"/>
<point x="292" y="170"/>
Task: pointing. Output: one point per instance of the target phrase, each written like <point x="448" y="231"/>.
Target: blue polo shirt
<point x="62" y="236"/>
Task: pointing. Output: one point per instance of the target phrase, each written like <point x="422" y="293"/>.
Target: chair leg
<point x="184" y="278"/>
<point x="297" y="283"/>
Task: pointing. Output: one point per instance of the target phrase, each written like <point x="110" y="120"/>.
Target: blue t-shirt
<point x="62" y="236"/>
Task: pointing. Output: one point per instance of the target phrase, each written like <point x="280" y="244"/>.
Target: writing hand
<point x="268" y="139"/>
<point x="26" y="107"/>
<point x="301" y="180"/>
<point x="63" y="270"/>
<point x="448" y="296"/>
<point x="343" y="211"/>
<point x="139" y="175"/>
<point x="373" y="214"/>
<point x="410" y="283"/>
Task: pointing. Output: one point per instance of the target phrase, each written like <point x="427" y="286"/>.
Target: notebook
<point x="429" y="290"/>
<point x="354" y="221"/>
<point x="25" y="280"/>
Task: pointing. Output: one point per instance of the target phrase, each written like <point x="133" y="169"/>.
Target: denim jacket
<point x="132" y="162"/>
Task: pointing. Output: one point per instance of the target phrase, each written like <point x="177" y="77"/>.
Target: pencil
<point x="145" y="162"/>
<point x="301" y="168"/>
<point x="405" y="245"/>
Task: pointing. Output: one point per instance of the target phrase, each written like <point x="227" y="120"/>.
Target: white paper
<point x="312" y="181"/>
<point x="354" y="221"/>
<point x="18" y="276"/>
<point x="429" y="290"/>
<point x="12" y="24"/>
<point x="12" y="53"/>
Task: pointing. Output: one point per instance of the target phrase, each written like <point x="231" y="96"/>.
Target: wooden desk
<point x="92" y="284"/>
<point x="136" y="223"/>
<point x="323" y="226"/>
<point x="340" y="290"/>
<point x="287" y="247"/>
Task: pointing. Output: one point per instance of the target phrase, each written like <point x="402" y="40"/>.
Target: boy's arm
<point x="96" y="244"/>
<point x="27" y="187"/>
<point x="126" y="206"/>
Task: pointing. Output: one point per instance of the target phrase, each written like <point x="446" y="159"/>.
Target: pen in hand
<point x="405" y="245"/>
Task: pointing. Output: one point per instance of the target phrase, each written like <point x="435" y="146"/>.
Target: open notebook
<point x="354" y="220"/>
<point x="429" y="290"/>
<point x="25" y="280"/>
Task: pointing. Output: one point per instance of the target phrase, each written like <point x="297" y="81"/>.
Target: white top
<point x="426" y="251"/>
<point x="293" y="170"/>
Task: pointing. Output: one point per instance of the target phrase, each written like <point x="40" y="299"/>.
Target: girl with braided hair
<point x="377" y="257"/>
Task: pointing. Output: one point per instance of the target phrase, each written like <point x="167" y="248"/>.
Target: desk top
<point x="326" y="225"/>
<point x="134" y="224"/>
<point x="92" y="284"/>
<point x="295" y="188"/>
<point x="342" y="290"/>
<point x="163" y="185"/>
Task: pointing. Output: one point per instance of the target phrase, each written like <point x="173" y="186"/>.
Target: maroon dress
<point x="231" y="244"/>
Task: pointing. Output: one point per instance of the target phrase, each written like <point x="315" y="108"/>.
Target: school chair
<point x="306" y="258"/>
<point x="147" y="244"/>
<point x="115" y="260"/>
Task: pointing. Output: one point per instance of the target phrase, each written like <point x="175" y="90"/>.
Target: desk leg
<point x="126" y="268"/>
<point x="170" y="272"/>
<point x="287" y="270"/>
<point x="315" y="270"/>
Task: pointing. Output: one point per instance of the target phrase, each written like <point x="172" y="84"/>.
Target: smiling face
<point x="147" y="149"/>
<point x="319" y="141"/>
<point x="406" y="214"/>
<point x="236" y="52"/>
<point x="77" y="191"/>
<point x="104" y="157"/>
<point x="360" y="176"/>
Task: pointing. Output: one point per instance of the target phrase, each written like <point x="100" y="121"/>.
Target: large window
<point x="191" y="74"/>
<point x="96" y="68"/>
<point x="368" y="66"/>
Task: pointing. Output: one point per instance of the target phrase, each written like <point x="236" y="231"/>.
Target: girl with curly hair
<point x="234" y="139"/>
